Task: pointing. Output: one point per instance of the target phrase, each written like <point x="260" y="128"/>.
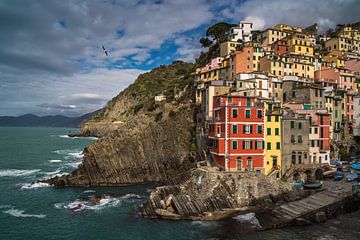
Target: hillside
<point x="142" y="141"/>
<point x="30" y="120"/>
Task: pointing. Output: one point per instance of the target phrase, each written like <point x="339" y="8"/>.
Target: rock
<point x="320" y="217"/>
<point x="218" y="196"/>
<point x="302" y="222"/>
<point x="136" y="145"/>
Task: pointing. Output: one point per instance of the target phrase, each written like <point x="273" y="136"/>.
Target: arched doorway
<point x="308" y="176"/>
<point x="296" y="177"/>
<point x="239" y="163"/>
<point x="319" y="174"/>
<point x="249" y="164"/>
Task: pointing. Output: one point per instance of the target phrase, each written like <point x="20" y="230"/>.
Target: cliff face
<point x="142" y="141"/>
<point x="212" y="195"/>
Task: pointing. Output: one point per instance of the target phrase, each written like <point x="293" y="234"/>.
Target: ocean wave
<point x="17" y="172"/>
<point x="81" y="205"/>
<point x="34" y="185"/>
<point x="67" y="136"/>
<point x="74" y="164"/>
<point x="79" y="154"/>
<point x="89" y="191"/>
<point x="55" y="161"/>
<point x="20" y="213"/>
<point x="248" y="217"/>
<point x="131" y="196"/>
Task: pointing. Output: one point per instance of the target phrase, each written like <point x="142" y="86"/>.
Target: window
<point x="247" y="145"/>
<point x="259" y="144"/>
<point x="276" y="131"/>
<point x="234" y="144"/>
<point x="293" y="158"/>
<point x="268" y="131"/>
<point x="278" y="145"/>
<point x="316" y="130"/>
<point x="260" y="129"/>
<point x="292" y="138"/>
<point x="300" y="139"/>
<point x="276" y="118"/>
<point x="247" y="129"/>
<point x="259" y="114"/>
<point x="292" y="124"/>
<point x="234" y="128"/>
<point x="268" y="145"/>
<point x="299" y="157"/>
<point x="310" y="129"/>
<point x="269" y="118"/>
<point x="247" y="113"/>
<point x="218" y="129"/>
<point x="234" y="113"/>
<point x="300" y="125"/>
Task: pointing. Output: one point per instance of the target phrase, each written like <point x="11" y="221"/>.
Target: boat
<point x="345" y="168"/>
<point x="339" y="176"/>
<point x="297" y="183"/>
<point x="312" y="185"/>
<point x="336" y="162"/>
<point x="352" y="177"/>
<point x="329" y="174"/>
<point x="355" y="166"/>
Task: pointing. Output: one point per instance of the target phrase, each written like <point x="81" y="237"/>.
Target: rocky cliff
<point x="210" y="195"/>
<point x="141" y="140"/>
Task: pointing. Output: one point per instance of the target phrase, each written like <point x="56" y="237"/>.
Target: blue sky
<point x="51" y="60"/>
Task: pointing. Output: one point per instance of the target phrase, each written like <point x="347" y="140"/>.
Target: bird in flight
<point x="105" y="51"/>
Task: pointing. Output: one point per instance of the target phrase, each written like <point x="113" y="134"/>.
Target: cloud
<point x="266" y="13"/>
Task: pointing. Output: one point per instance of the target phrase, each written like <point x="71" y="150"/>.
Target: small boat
<point x="297" y="183"/>
<point x="312" y="185"/>
<point x="339" y="176"/>
<point x="345" y="168"/>
<point x="355" y="166"/>
<point x="336" y="162"/>
<point x="329" y="174"/>
<point x="352" y="177"/>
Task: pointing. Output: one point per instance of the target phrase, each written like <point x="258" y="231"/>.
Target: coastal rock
<point x="210" y="194"/>
<point x="141" y="140"/>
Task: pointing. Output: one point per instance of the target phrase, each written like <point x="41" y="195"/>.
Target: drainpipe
<point x="226" y="136"/>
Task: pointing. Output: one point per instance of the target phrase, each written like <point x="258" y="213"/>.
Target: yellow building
<point x="335" y="58"/>
<point x="228" y="47"/>
<point x="343" y="44"/>
<point x="292" y="65"/>
<point x="285" y="27"/>
<point x="349" y="32"/>
<point x="273" y="145"/>
<point x="300" y="44"/>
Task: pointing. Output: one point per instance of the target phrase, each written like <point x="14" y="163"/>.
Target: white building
<point x="252" y="84"/>
<point x="242" y="32"/>
<point x="160" y="98"/>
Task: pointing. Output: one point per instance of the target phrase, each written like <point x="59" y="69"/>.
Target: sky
<point x="51" y="60"/>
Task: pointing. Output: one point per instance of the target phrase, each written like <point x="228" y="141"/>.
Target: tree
<point x="218" y="31"/>
<point x="205" y="42"/>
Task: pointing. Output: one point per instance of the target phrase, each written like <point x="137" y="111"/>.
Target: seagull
<point x="105" y="51"/>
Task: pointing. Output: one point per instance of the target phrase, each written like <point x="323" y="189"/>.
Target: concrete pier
<point x="307" y="210"/>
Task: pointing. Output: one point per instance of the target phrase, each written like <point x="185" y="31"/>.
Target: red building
<point x="279" y="47"/>
<point x="236" y="134"/>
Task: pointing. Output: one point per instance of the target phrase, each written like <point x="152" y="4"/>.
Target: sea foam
<point x="34" y="185"/>
<point x="20" y="213"/>
<point x="248" y="217"/>
<point x="17" y="172"/>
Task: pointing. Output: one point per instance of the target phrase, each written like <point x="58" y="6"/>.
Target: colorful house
<point x="273" y="133"/>
<point x="236" y="134"/>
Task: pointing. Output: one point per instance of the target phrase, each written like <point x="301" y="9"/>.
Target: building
<point x="280" y="31"/>
<point x="300" y="44"/>
<point x="251" y="84"/>
<point x="241" y="33"/>
<point x="273" y="133"/>
<point x="245" y="60"/>
<point x="228" y="47"/>
<point x="295" y="140"/>
<point x="312" y="95"/>
<point x="160" y="98"/>
<point x="343" y="44"/>
<point x="279" y="47"/>
<point x="236" y="134"/>
<point x="356" y="119"/>
<point x="292" y="65"/>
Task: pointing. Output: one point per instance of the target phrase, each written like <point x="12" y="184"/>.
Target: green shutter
<point x="269" y="145"/>
<point x="292" y="124"/>
<point x="251" y="128"/>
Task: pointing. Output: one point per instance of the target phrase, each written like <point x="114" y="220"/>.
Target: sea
<point x="31" y="210"/>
